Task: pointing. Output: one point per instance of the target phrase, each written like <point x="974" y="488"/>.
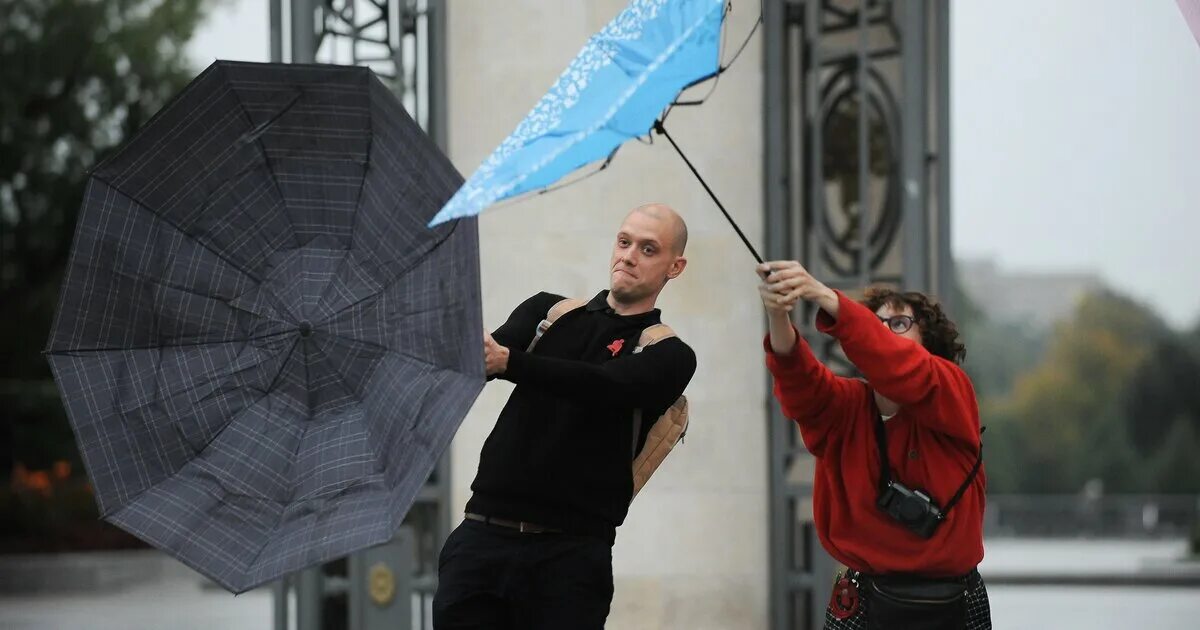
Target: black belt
<point x="972" y="579"/>
<point x="521" y="526"/>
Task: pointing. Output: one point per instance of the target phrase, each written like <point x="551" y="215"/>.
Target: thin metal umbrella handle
<point x="658" y="126"/>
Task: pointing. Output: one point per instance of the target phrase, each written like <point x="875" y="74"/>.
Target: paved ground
<point x="176" y="600"/>
<point x="1095" y="608"/>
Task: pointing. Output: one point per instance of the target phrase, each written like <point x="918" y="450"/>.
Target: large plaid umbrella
<point x="261" y="347"/>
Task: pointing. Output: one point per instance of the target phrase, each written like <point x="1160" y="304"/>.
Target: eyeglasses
<point x="898" y="324"/>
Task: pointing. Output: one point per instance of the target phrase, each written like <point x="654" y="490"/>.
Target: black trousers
<point x="494" y="578"/>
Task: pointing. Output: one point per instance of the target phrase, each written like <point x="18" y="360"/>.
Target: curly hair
<point x="939" y="335"/>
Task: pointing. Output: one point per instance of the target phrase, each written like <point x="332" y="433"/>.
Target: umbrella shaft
<point x="658" y="126"/>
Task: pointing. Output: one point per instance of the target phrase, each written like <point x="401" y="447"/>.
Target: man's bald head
<point x="647" y="253"/>
<point x="677" y="228"/>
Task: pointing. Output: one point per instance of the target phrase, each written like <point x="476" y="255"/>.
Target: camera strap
<point x="885" y="471"/>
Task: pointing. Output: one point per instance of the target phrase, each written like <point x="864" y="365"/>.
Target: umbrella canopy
<point x="1191" y="15"/>
<point x="261" y="348"/>
<point x="612" y="91"/>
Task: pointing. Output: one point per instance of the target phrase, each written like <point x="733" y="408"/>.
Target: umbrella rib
<point x="308" y="392"/>
<point x="291" y="467"/>
<point x="178" y="228"/>
<point x="337" y="372"/>
<point x="321" y="559"/>
<point x="374" y="296"/>
<point x="357" y="199"/>
<point x="182" y="289"/>
<point x="362" y="183"/>
<point x="721" y="68"/>
<point x="161" y="346"/>
<point x="350" y="486"/>
<point x="196" y="386"/>
<point x="424" y="394"/>
<point x="266" y="392"/>
<point x="515" y="199"/>
<point x="256" y="132"/>
<point x="385" y="349"/>
<point x="392" y="318"/>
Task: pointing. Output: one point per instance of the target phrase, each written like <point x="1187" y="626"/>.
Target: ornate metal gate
<point x="857" y="189"/>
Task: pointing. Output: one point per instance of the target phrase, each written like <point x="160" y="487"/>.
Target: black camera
<point x="913" y="508"/>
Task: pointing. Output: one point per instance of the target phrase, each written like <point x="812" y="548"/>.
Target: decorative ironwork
<point x="856" y="189"/>
<point x="843" y="217"/>
<point x="841" y="16"/>
<point x="381" y="584"/>
<point x="858" y="49"/>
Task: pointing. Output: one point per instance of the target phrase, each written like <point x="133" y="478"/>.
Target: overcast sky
<point x="1075" y="131"/>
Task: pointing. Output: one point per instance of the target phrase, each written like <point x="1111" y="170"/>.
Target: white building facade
<point x="693" y="551"/>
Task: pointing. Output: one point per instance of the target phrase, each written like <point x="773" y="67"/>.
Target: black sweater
<point x="561" y="452"/>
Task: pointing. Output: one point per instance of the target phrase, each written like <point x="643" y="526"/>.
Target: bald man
<point x="534" y="551"/>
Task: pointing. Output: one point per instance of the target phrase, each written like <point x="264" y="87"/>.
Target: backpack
<point x="668" y="429"/>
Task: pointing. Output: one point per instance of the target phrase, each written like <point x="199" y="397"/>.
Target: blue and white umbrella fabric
<point x="614" y="90"/>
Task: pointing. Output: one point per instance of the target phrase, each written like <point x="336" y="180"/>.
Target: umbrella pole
<point x="658" y="126"/>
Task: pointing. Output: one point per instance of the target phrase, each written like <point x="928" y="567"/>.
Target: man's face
<point x="897" y="319"/>
<point x="643" y="257"/>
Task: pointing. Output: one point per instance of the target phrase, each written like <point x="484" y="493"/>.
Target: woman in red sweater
<point x="899" y="490"/>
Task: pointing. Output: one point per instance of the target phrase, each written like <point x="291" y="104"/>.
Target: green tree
<point x="79" y="77"/>
<point x="997" y="353"/>
<point x="1163" y="392"/>
<point x="1174" y="468"/>
<point x="1068" y="420"/>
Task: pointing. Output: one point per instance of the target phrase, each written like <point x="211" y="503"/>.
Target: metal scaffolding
<point x="403" y="41"/>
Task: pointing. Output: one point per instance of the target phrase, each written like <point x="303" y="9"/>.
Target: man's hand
<point x="785" y="282"/>
<point x="495" y="356"/>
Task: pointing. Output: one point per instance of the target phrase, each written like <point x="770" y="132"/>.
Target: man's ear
<point x="676" y="268"/>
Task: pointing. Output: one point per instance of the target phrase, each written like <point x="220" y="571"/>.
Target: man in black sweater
<point x="555" y="479"/>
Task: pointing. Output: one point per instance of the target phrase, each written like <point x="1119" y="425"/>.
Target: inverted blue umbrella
<point x="615" y="89"/>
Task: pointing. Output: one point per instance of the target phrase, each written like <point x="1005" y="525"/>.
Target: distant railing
<point x="1110" y="516"/>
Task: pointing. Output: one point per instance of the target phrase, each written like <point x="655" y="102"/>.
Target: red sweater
<point x="932" y="442"/>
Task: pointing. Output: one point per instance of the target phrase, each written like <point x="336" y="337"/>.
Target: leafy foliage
<point x="1115" y="397"/>
<point x="79" y="77"/>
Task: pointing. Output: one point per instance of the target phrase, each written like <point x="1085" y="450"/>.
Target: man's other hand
<point x="495" y="356"/>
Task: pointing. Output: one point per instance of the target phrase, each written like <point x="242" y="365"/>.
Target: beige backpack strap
<point x="649" y="337"/>
<point x="653" y="335"/>
<point x="560" y="308"/>
<point x="666" y="430"/>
